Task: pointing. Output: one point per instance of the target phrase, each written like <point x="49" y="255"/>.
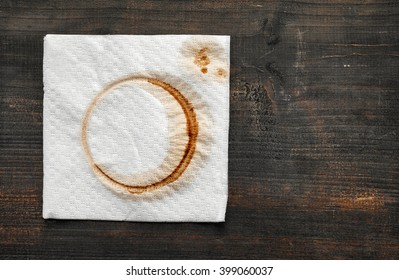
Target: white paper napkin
<point x="136" y="127"/>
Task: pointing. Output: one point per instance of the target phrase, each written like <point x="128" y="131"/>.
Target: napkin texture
<point x="135" y="128"/>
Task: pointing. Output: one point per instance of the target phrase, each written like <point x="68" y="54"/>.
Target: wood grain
<point x="314" y="134"/>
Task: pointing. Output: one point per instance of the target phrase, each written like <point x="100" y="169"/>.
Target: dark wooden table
<point x="314" y="134"/>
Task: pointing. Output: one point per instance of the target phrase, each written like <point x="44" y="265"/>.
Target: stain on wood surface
<point x="369" y="200"/>
<point x="314" y="132"/>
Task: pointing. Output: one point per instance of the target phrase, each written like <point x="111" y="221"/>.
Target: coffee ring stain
<point x="191" y="127"/>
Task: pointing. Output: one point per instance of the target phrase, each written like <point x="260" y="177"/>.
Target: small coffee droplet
<point x="221" y="72"/>
<point x="201" y="59"/>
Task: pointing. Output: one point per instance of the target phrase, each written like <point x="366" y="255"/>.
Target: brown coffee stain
<point x="368" y="200"/>
<point x="205" y="57"/>
<point x="202" y="60"/>
<point x="192" y="132"/>
<point x="221" y="73"/>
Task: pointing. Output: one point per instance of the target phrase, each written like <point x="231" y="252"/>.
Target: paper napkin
<point x="136" y="127"/>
